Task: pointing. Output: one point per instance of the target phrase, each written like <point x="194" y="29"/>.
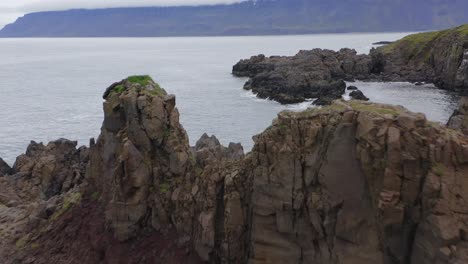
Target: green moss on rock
<point x="119" y="88"/>
<point x="68" y="202"/>
<point x="421" y="43"/>
<point x="142" y="80"/>
<point x="373" y="108"/>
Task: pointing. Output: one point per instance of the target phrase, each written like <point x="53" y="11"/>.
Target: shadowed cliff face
<point x="350" y="183"/>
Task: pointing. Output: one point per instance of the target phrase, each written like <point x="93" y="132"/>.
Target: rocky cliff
<point x="354" y="182"/>
<point x="439" y="57"/>
<point x="459" y="119"/>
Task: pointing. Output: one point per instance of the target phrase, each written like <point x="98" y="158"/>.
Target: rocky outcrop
<point x="439" y="57"/>
<point x="55" y="168"/>
<point x="209" y="149"/>
<point x="307" y="75"/>
<point x="459" y="119"/>
<point x="44" y="183"/>
<point x="150" y="178"/>
<point x="358" y="95"/>
<point x="354" y="182"/>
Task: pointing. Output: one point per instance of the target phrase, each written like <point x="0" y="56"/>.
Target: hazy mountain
<point x="247" y="18"/>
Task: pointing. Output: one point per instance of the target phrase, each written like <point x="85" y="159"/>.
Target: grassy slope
<point x="419" y="45"/>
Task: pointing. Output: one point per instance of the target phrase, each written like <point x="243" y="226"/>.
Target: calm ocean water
<point x="51" y="88"/>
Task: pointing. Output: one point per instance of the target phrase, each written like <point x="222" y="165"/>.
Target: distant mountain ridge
<point x="261" y="17"/>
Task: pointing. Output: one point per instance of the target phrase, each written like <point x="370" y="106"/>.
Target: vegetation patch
<point x="164" y="187"/>
<point x="95" y="196"/>
<point x="167" y="132"/>
<point x="119" y="88"/>
<point x="68" y="202"/>
<point x="463" y="29"/>
<point x="34" y="245"/>
<point x="420" y="44"/>
<point x="439" y="169"/>
<point x="142" y="80"/>
<point x="22" y="242"/>
<point x="372" y="108"/>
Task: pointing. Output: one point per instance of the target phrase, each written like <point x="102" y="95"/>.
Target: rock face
<point x="459" y="119"/>
<point x="55" y="168"/>
<point x="354" y="182"/>
<point x="390" y="199"/>
<point x="307" y="75"/>
<point x="439" y="57"/>
<point x="43" y="184"/>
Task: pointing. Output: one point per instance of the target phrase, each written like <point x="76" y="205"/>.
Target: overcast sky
<point x="12" y="9"/>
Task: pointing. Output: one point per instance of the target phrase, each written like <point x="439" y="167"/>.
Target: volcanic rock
<point x="459" y="119"/>
<point x="439" y="57"/>
<point x="307" y="75"/>
<point x="358" y="95"/>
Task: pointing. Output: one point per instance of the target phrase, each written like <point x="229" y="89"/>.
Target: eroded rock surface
<point x="459" y="119"/>
<point x="307" y="75"/>
<point x="354" y="182"/>
<point x="439" y="57"/>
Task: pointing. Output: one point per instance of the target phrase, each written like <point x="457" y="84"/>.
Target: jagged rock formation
<point x="459" y="119"/>
<point x="354" y="182"/>
<point x="208" y="149"/>
<point x="43" y="182"/>
<point x="309" y="74"/>
<point x="439" y="57"/>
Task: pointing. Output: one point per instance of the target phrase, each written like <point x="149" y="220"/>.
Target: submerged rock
<point x="358" y="95"/>
<point x="352" y="88"/>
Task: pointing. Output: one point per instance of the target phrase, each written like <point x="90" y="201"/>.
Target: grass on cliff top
<point x="358" y="106"/>
<point x="142" y="80"/>
<point x="416" y="43"/>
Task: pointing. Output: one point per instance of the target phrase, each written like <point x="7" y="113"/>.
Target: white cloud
<point x="11" y="9"/>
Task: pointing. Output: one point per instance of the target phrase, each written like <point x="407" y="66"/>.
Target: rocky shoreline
<point x="354" y="182"/>
<point x="439" y="57"/>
